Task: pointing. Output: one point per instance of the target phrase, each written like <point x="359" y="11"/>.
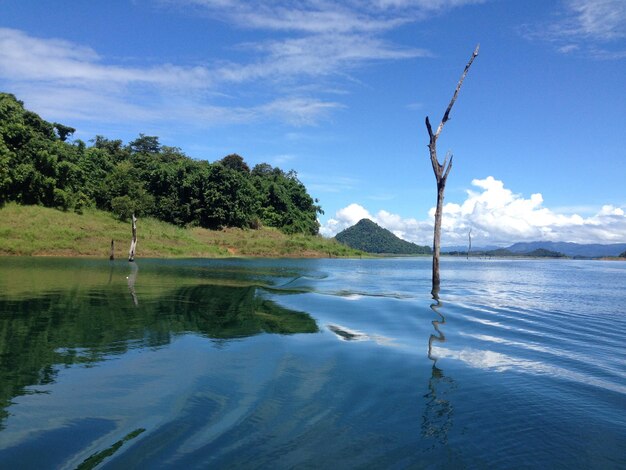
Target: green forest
<point x="372" y="238"/>
<point x="40" y="165"/>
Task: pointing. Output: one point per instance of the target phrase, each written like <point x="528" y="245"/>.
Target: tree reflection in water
<point x="132" y="278"/>
<point x="437" y="419"/>
<point x="56" y="327"/>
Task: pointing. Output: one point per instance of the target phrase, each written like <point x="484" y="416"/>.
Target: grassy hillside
<point x="40" y="231"/>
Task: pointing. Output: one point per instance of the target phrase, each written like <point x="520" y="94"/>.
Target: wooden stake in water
<point x="133" y="242"/>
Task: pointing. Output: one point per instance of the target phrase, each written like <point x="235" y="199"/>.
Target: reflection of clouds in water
<point x="351" y="295"/>
<point x="501" y="325"/>
<point x="156" y="379"/>
<point x="498" y="362"/>
<point x="526" y="345"/>
<point x="346" y="334"/>
<point x="482" y="321"/>
<point x="581" y="358"/>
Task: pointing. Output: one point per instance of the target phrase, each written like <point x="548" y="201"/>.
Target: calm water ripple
<point x="312" y="363"/>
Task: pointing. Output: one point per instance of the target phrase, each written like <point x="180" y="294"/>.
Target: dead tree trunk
<point x="441" y="173"/>
<point x="133" y="242"/>
<point x="112" y="255"/>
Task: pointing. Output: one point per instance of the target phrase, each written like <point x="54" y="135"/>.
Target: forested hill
<point x="38" y="165"/>
<point x="595" y="250"/>
<point x="368" y="236"/>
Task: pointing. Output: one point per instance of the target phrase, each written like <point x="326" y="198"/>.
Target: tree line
<point x="38" y="165"/>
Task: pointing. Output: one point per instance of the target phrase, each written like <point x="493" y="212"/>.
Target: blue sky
<point x="338" y="91"/>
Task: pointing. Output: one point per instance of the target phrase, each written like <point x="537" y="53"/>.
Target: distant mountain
<point x="506" y="253"/>
<point x="545" y="250"/>
<point x="463" y="248"/>
<point x="372" y="238"/>
<point x="570" y="249"/>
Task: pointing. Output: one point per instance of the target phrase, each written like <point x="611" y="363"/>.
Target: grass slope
<point x="40" y="231"/>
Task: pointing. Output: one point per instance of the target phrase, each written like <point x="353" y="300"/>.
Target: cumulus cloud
<point x="345" y="218"/>
<point x="495" y="215"/>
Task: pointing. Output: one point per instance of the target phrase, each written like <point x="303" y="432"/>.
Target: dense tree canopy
<point x="39" y="166"/>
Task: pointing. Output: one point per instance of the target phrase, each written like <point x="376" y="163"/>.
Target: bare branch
<point x="445" y="160"/>
<point x="445" y="176"/>
<point x="430" y="129"/>
<point x="446" y="115"/>
<point x="437" y="169"/>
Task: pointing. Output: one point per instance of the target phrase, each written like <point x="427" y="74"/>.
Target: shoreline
<point x="41" y="231"/>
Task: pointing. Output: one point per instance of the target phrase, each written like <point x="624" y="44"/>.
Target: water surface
<point x="312" y="363"/>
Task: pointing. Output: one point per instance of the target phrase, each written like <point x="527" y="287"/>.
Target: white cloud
<point x="314" y="38"/>
<point x="309" y="49"/>
<point x="323" y="16"/>
<point x="568" y="48"/>
<point x="328" y="183"/>
<point x="281" y="159"/>
<point x="26" y="58"/>
<point x="343" y="219"/>
<point x="495" y="215"/>
<point x="308" y="17"/>
<point x="67" y="81"/>
<point x="297" y="110"/>
<point x="600" y="19"/>
<point x="593" y="27"/>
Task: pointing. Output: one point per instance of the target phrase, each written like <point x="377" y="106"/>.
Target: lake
<point x="313" y="363"/>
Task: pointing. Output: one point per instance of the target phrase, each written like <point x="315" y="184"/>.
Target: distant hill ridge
<point x="368" y="236"/>
<point x="593" y="250"/>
